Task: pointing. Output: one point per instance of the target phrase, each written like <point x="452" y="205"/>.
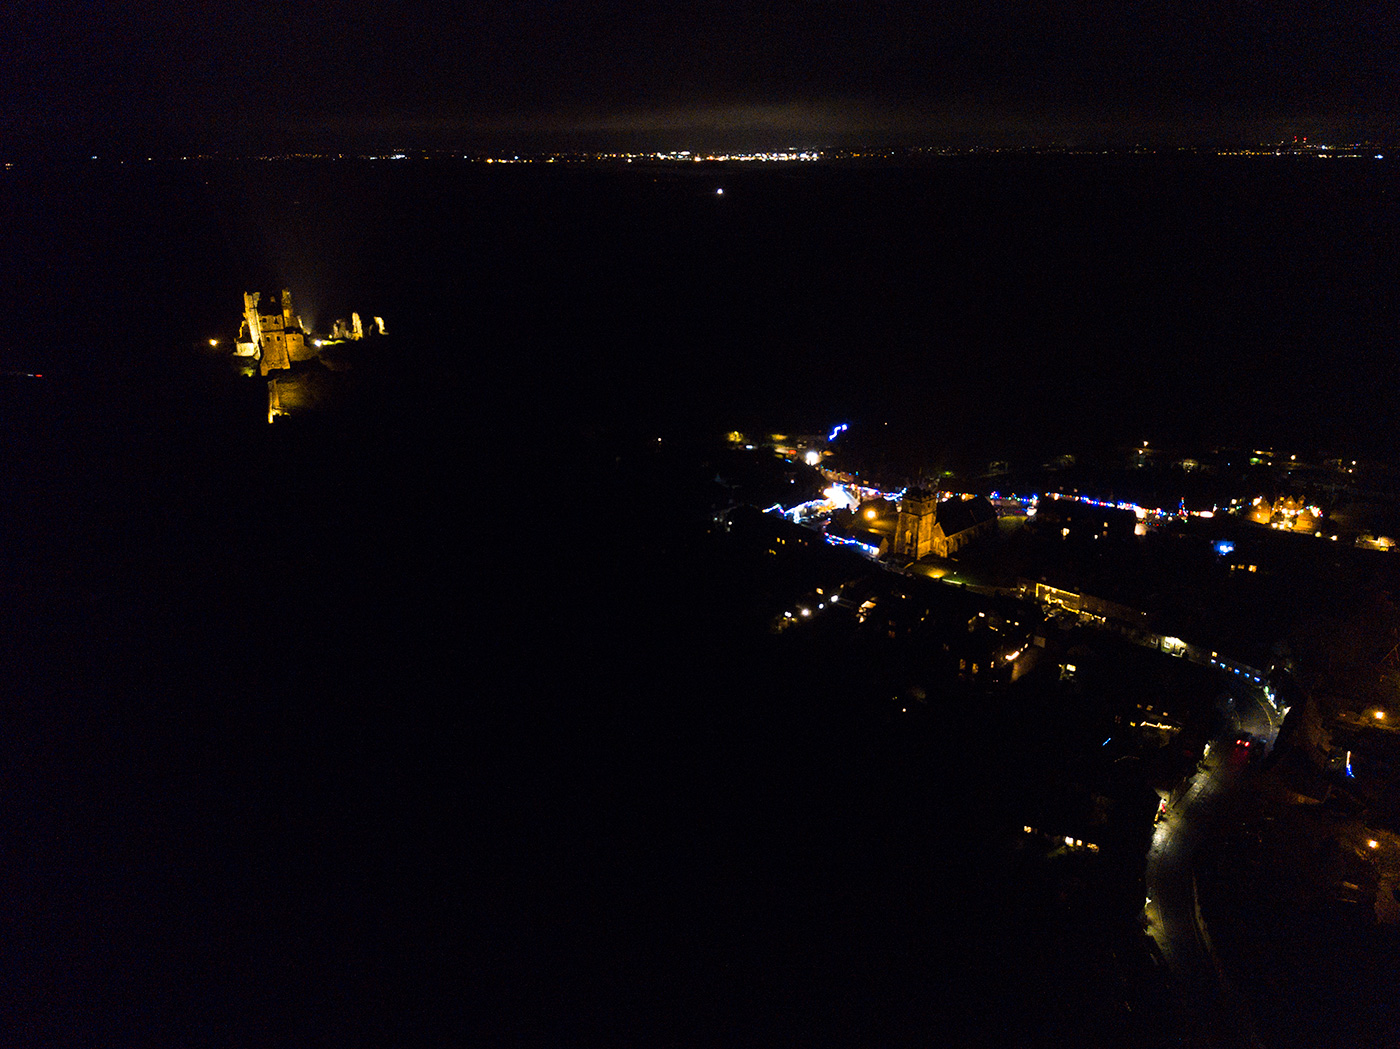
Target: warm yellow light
<point x="1372" y="843"/>
<point x="213" y="342"/>
<point x="1380" y="715"/>
<point x="870" y="514"/>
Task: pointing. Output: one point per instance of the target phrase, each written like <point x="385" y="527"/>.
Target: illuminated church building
<point x="926" y="526"/>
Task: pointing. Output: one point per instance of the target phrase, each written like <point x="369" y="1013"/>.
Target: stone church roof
<point x="958" y="515"/>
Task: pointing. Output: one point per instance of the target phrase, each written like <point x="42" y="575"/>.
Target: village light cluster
<point x="785" y="156"/>
<point x="1068" y="841"/>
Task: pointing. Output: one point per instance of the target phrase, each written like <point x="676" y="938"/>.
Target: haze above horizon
<point x="727" y="75"/>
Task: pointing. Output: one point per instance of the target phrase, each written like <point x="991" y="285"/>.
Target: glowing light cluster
<point x="1232" y="668"/>
<point x="841" y="498"/>
<point x="779" y="157"/>
<point x="1141" y="512"/>
<point x="865" y="548"/>
<point x="1068" y="841"/>
<point x="794" y="513"/>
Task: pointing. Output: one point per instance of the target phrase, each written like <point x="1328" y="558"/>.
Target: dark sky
<point x="673" y="73"/>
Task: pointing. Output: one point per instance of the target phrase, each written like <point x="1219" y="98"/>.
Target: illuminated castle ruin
<point x="355" y="330"/>
<point x="277" y="340"/>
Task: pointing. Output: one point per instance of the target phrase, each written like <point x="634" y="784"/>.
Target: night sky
<point x="622" y="72"/>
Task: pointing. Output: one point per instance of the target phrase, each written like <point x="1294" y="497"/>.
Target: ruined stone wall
<point x="298" y="349"/>
<point x="287" y="396"/>
<point x="274" y="344"/>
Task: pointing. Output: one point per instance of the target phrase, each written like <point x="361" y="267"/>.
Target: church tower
<point x="914" y="529"/>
